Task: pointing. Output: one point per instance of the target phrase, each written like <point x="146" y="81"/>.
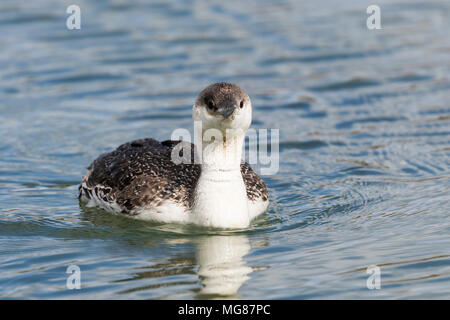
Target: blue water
<point x="364" y="171"/>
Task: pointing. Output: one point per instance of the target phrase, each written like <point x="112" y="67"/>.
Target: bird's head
<point x="223" y="106"/>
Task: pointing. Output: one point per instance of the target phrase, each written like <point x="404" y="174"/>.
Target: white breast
<point x="221" y="200"/>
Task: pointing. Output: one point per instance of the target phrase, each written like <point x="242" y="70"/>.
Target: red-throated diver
<point x="140" y="179"/>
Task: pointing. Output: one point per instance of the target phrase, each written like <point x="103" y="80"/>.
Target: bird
<point x="173" y="181"/>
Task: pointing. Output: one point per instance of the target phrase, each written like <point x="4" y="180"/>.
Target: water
<point x="364" y="126"/>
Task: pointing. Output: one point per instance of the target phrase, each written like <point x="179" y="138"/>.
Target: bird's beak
<point x="227" y="110"/>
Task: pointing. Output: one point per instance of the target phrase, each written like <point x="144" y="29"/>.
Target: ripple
<point x="302" y="145"/>
<point x="411" y="78"/>
<point x="345" y="85"/>
<point x="86" y="35"/>
<point x="317" y="114"/>
<point x="321" y="58"/>
<point x="24" y="19"/>
<point x="88" y="77"/>
<point x="204" y="40"/>
<point x="288" y="106"/>
<point x="157" y="116"/>
<point x="368" y="98"/>
<point x="361" y="171"/>
<point x="349" y="124"/>
<point x="144" y="59"/>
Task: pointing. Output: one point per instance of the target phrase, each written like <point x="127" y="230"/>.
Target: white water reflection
<point x="222" y="269"/>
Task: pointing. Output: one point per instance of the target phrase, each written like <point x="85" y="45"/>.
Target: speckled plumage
<point x="140" y="174"/>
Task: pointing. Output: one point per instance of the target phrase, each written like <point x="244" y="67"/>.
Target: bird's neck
<point x="222" y="154"/>
<point x="220" y="196"/>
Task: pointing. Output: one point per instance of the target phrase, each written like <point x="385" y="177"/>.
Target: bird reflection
<point x="216" y="260"/>
<point x="222" y="269"/>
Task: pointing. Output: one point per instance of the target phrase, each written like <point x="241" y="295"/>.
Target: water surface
<point x="364" y="172"/>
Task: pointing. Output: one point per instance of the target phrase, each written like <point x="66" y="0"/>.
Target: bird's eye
<point x="242" y="104"/>
<point x="210" y="104"/>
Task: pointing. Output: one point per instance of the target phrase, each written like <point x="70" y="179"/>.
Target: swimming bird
<point x="145" y="179"/>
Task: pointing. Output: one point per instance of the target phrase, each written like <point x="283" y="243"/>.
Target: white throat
<point x="220" y="198"/>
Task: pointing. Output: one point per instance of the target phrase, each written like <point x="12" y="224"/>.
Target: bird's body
<point x="140" y="179"/>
